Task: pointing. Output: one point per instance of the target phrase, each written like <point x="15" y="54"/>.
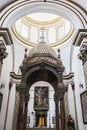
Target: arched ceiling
<point x="82" y="3"/>
<point x="28" y="30"/>
<point x="74" y="11"/>
<point x="66" y="9"/>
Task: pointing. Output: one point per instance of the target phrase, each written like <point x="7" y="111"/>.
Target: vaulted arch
<point x="67" y="9"/>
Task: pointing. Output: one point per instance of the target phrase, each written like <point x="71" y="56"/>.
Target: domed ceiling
<point x="28" y="30"/>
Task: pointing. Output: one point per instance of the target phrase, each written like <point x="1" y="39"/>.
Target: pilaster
<point x="5" y="39"/>
<point x="81" y="40"/>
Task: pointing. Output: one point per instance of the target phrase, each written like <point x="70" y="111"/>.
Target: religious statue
<point x="45" y="103"/>
<point x="39" y="97"/>
<point x="41" y="121"/>
<point x="70" y="123"/>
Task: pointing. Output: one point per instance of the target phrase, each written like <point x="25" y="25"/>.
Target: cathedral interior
<point x="43" y="65"/>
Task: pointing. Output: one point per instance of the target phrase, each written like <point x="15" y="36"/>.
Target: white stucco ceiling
<point x="82" y="3"/>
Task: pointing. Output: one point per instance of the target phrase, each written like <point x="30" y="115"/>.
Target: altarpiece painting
<point x="41" y="101"/>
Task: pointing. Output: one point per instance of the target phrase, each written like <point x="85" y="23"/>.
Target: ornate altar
<point x="42" y="64"/>
<point x="41" y="106"/>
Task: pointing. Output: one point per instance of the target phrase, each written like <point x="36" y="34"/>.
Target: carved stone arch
<point x="59" y="7"/>
<point x="28" y="71"/>
<point x="47" y="74"/>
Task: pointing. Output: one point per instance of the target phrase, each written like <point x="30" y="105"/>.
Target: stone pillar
<point x="66" y="106"/>
<point x="81" y="40"/>
<point x="26" y="109"/>
<point x="5" y="39"/>
<point x="83" y="56"/>
<point x="56" y="109"/>
<point x="22" y="90"/>
<point x="62" y="114"/>
<point x="61" y="92"/>
<point x="73" y="88"/>
<point x="10" y="86"/>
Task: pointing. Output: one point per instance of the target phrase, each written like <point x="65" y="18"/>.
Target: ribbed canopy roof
<point x="42" y="49"/>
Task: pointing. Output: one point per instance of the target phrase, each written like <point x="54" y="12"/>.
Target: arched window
<point x="1" y="97"/>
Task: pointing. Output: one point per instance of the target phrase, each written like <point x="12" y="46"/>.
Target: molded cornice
<point x="5" y="34"/>
<point x="81" y="35"/>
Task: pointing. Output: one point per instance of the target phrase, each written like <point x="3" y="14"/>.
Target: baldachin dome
<point x="42" y="48"/>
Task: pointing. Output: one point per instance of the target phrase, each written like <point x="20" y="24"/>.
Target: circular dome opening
<point x="42" y="17"/>
<point x="28" y="29"/>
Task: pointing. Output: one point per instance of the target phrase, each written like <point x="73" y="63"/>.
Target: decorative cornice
<point x="81" y="35"/>
<point x="29" y="21"/>
<point x="68" y="79"/>
<point x="69" y="76"/>
<point x="15" y="78"/>
<point x="81" y="40"/>
<point x="29" y="43"/>
<point x="5" y="34"/>
<point x="6" y="5"/>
